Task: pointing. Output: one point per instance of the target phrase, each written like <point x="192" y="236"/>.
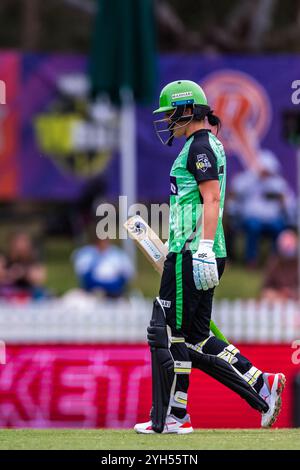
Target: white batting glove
<point x="205" y="270"/>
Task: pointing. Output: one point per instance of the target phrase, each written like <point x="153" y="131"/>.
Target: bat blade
<point x="148" y="241"/>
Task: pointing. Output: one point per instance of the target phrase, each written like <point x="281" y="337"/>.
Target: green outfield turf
<point x="112" y="440"/>
<point x="61" y="276"/>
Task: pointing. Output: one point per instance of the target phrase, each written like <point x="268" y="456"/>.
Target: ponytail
<point x="202" y="111"/>
<point x="214" y="120"/>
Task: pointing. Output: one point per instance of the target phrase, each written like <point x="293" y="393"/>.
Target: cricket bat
<point x="156" y="251"/>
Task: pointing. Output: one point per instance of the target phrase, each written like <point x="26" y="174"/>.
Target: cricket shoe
<point x="173" y="425"/>
<point x="271" y="392"/>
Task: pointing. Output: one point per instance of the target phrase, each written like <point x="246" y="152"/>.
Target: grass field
<point x="237" y="281"/>
<point x="222" y="439"/>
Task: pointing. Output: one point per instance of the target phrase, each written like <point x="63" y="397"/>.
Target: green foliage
<point x="200" y="15"/>
<point x="29" y="25"/>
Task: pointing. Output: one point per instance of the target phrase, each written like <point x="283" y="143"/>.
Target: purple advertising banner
<point x="47" y="110"/>
<point x="250" y="94"/>
<point x="60" y="144"/>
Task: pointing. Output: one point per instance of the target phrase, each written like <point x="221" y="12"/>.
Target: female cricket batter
<point x="179" y="332"/>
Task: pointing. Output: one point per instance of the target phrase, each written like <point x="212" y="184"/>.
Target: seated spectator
<point x="104" y="268"/>
<point x="261" y="204"/>
<point x="22" y="275"/>
<point x="2" y="269"/>
<point x="281" y="275"/>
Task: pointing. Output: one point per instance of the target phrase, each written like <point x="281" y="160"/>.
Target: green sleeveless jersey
<point x="202" y="158"/>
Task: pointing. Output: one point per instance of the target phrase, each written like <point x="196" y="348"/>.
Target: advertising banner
<point x="54" y="140"/>
<point x="10" y="132"/>
<point x="109" y="386"/>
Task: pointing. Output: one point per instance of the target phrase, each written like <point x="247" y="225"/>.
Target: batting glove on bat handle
<point x="205" y="269"/>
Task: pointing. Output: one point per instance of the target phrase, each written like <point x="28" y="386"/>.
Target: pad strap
<point x="252" y="375"/>
<point x="229" y="353"/>
<point x="181" y="367"/>
<point x="179" y="400"/>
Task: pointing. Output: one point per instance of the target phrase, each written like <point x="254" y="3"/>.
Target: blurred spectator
<point x="22" y="275"/>
<point x="281" y="275"/>
<point x="104" y="268"/>
<point x="260" y="204"/>
<point x="2" y="269"/>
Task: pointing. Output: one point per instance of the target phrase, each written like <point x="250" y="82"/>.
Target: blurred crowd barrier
<point x="76" y="319"/>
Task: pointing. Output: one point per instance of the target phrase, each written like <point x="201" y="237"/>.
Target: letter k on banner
<point x="2" y="353"/>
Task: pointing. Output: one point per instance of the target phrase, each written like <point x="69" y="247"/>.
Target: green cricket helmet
<point x="176" y="97"/>
<point x="179" y="93"/>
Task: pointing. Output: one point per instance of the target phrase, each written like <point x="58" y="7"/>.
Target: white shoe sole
<point x="165" y="431"/>
<point x="180" y="431"/>
<point x="143" y="431"/>
<point x="276" y="401"/>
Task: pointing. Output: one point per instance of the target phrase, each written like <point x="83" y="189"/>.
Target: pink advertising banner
<point x="109" y="386"/>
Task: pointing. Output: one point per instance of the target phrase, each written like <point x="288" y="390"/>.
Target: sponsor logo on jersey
<point x="202" y="162"/>
<point x="165" y="303"/>
<point x="173" y="187"/>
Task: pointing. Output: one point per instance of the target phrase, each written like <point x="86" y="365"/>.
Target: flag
<point x="123" y="50"/>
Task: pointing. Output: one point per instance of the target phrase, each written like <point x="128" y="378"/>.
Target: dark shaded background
<point x="189" y="25"/>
